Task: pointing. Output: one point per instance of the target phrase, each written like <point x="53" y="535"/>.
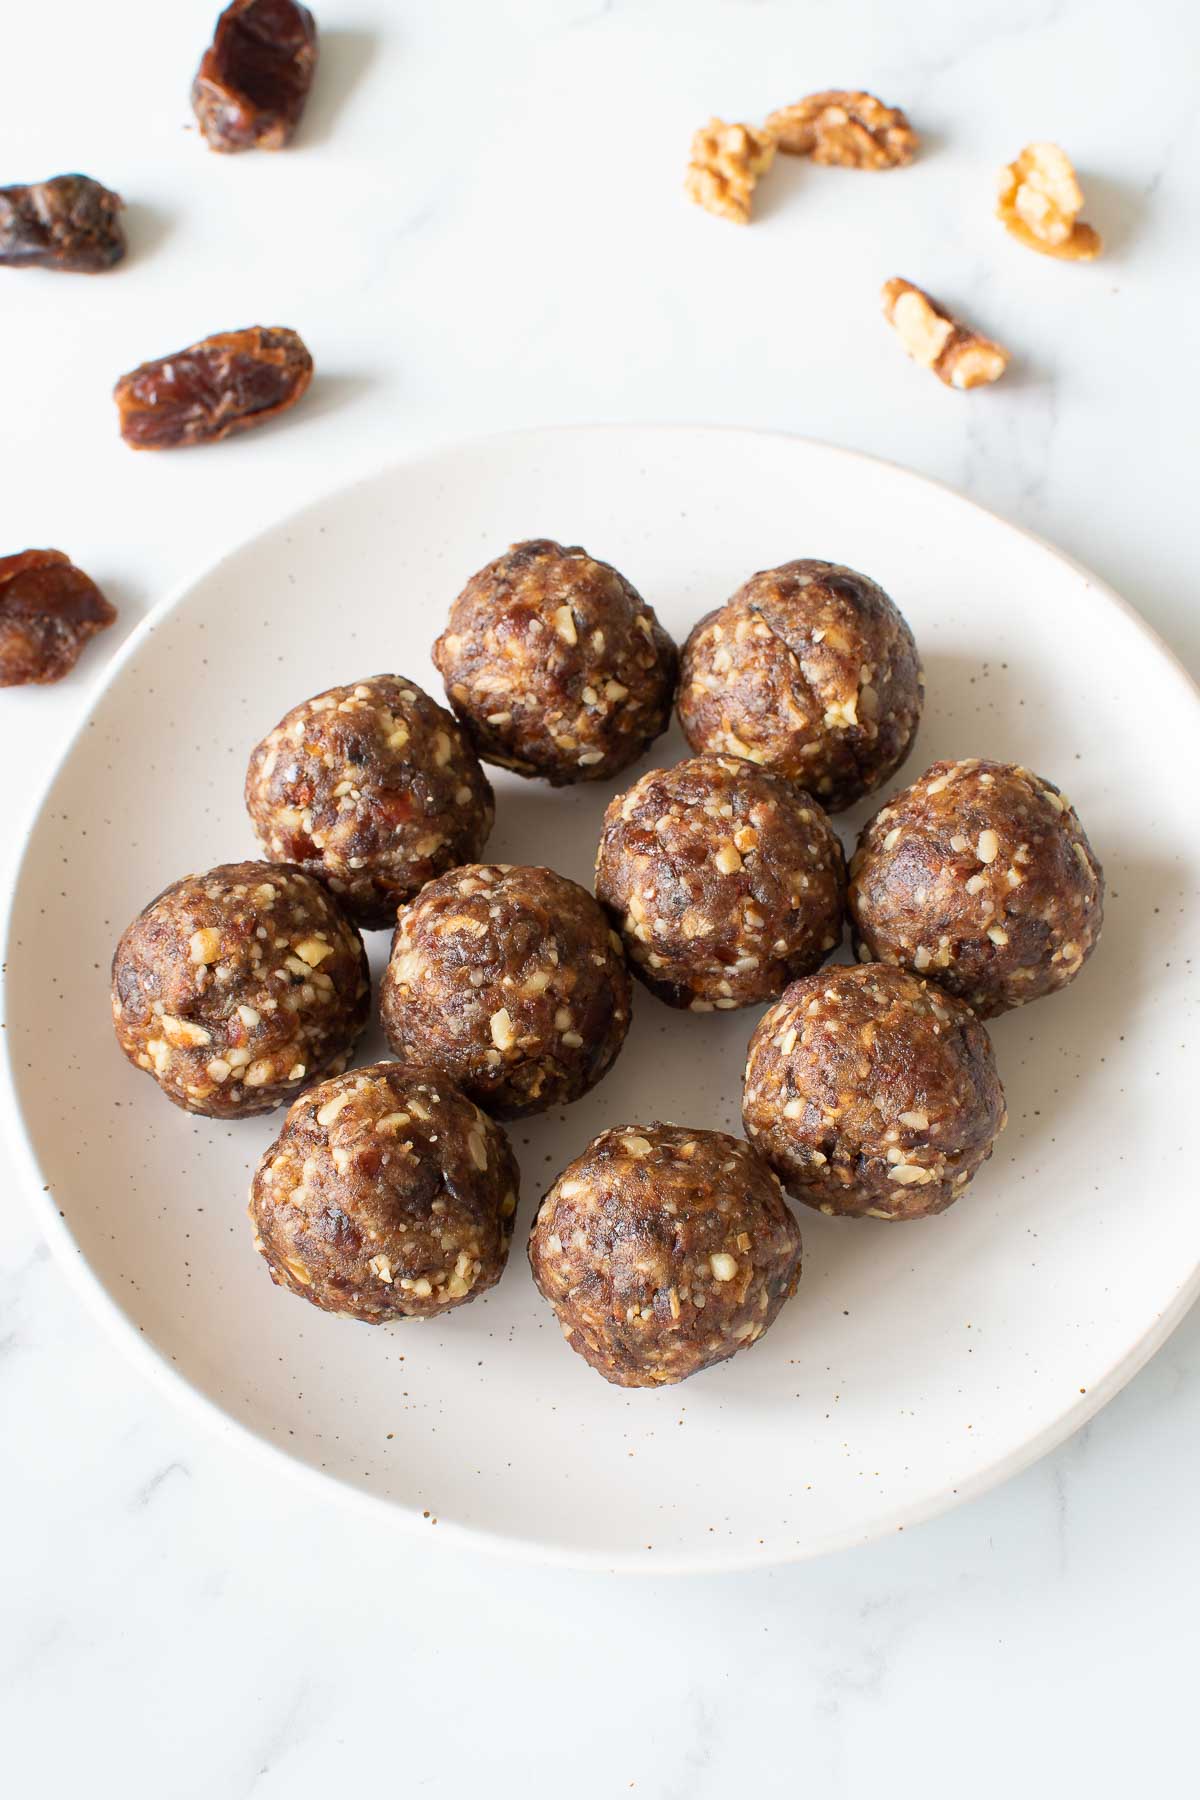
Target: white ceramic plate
<point x="918" y="1363"/>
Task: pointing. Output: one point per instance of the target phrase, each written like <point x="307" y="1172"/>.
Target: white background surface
<point x="481" y="226"/>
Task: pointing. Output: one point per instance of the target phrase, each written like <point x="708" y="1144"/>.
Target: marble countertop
<point x="481" y="226"/>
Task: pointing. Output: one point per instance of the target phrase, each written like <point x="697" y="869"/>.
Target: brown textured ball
<point x="374" y="789"/>
<point x="664" y="1250"/>
<point x="811" y="671"/>
<point x="980" y="877"/>
<point x="556" y="665"/>
<point x="387" y="1195"/>
<point x="511" y="980"/>
<point x="870" y="1092"/>
<point x="235" y="988"/>
<point x="725" y="882"/>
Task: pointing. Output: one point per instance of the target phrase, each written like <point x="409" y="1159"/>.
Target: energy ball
<point x="372" y="788"/>
<point x="387" y="1195"/>
<point x="871" y="1093"/>
<point x="726" y="882"/>
<point x="510" y="980"/>
<point x="664" y="1250"/>
<point x="811" y="671"/>
<point x="556" y="665"/>
<point x="980" y="877"/>
<point x="235" y="988"/>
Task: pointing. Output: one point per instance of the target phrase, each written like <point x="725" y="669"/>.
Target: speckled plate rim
<point x="123" y="1329"/>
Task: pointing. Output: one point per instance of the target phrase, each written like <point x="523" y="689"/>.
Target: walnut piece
<point x="1039" y="201"/>
<point x="726" y="162"/>
<point x="957" y="354"/>
<point x="845" y="129"/>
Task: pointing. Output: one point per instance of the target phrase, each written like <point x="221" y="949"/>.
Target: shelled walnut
<point x="957" y="353"/>
<point x="726" y="163"/>
<point x="845" y="129"/>
<point x="1039" y="202"/>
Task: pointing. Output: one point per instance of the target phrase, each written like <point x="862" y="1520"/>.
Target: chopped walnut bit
<point x="957" y="354"/>
<point x="1039" y="201"/>
<point x="313" y="951"/>
<point x="727" y="161"/>
<point x="329" y="1112"/>
<point x="205" y="946"/>
<point x="910" y="1175"/>
<point x="847" y="129"/>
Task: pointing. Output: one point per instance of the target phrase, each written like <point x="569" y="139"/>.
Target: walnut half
<point x="957" y="354"/>
<point x="1040" y="199"/>
<point x="848" y="129"/>
<point x="727" y="161"/>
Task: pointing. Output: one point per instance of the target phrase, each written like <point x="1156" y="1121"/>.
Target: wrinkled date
<point x="69" y="222"/>
<point x="226" y="383"/>
<point x="48" y="611"/>
<point x="254" y="78"/>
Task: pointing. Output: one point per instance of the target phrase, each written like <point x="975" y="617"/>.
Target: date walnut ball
<point x="980" y="877"/>
<point x="871" y="1092"/>
<point x="387" y="1195"/>
<point x="556" y="665"/>
<point x="664" y="1250"/>
<point x="510" y="980"/>
<point x="725" y="882"/>
<point x="811" y="671"/>
<point x="235" y="988"/>
<point x="374" y="789"/>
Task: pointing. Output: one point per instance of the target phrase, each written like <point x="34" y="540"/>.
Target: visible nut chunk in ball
<point x="811" y="671"/>
<point x="725" y="882"/>
<point x="958" y="355"/>
<point x="237" y="988"/>
<point x="373" y="788"/>
<point x="848" y="129"/>
<point x="726" y="162"/>
<point x="556" y="665"/>
<point x="664" y="1250"/>
<point x="510" y="980"/>
<point x="981" y="877"/>
<point x="870" y="1092"/>
<point x="387" y="1195"/>
<point x="1039" y="202"/>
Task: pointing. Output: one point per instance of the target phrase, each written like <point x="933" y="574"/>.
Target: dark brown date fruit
<point x="225" y="383"/>
<point x="254" y="78"/>
<point x="48" y="611"/>
<point x="70" y="222"/>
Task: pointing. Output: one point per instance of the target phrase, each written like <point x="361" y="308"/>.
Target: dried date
<point x="48" y="611"/>
<point x="69" y="222"/>
<point x="254" y="78"/>
<point x="223" y="384"/>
